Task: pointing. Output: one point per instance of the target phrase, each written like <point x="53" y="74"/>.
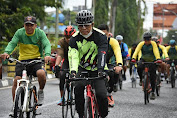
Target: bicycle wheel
<point x="19" y="98"/>
<point x="158" y="84"/>
<point x="65" y="104"/>
<point x="32" y="103"/>
<point x="87" y="108"/>
<point x="72" y="101"/>
<point x="172" y="77"/>
<point x="146" y="94"/>
<point x="134" y="77"/>
<point x="120" y="81"/>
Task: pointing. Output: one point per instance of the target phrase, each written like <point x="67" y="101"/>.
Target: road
<point x="129" y="102"/>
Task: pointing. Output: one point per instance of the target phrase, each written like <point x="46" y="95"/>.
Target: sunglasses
<point x="85" y="25"/>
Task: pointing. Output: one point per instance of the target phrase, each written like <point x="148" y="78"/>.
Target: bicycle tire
<point x="146" y="96"/>
<point x="120" y="81"/>
<point x="32" y="103"/>
<point x="87" y="108"/>
<point x="172" y="78"/>
<point x="19" y="98"/>
<point x="158" y="84"/>
<point x="65" y="104"/>
<point x="72" y="101"/>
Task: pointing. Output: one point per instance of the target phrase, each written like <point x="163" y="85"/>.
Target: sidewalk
<point x="8" y="81"/>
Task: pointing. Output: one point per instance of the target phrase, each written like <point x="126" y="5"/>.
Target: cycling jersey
<point x="62" y="48"/>
<point x="162" y="51"/>
<point x="114" y="49"/>
<point x="172" y="52"/>
<point x="30" y="46"/>
<point x="124" y="49"/>
<point x="88" y="53"/>
<point x="149" y="52"/>
<point x="131" y="52"/>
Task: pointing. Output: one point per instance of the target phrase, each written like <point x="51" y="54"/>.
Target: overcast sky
<point x="148" y="18"/>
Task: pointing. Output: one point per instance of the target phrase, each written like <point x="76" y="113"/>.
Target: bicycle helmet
<point x="69" y="31"/>
<point x="172" y="42"/>
<point x="154" y="39"/>
<point x="84" y="17"/>
<point x="147" y="35"/>
<point x="119" y="37"/>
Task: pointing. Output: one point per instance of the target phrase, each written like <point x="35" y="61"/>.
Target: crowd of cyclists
<point x="93" y="50"/>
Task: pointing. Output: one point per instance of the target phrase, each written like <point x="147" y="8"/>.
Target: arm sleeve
<point x="73" y="56"/>
<point x="102" y="44"/>
<point x="137" y="50"/>
<point x="155" y="50"/>
<point x="117" y="51"/>
<point x="139" y="55"/>
<point x="46" y="44"/>
<point x="13" y="43"/>
<point x="164" y="51"/>
<point x="130" y="51"/>
<point x="126" y="49"/>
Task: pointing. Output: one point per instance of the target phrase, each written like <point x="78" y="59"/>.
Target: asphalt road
<point x="129" y="102"/>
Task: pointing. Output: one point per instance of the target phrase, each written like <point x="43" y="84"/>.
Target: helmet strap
<point x="88" y="35"/>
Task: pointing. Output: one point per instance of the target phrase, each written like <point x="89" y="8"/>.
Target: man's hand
<point x="117" y="69"/>
<point x="73" y="74"/>
<point x="166" y="59"/>
<point x="101" y="74"/>
<point x="5" y="56"/>
<point x="47" y="59"/>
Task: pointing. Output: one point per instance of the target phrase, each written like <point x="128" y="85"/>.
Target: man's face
<point x="30" y="28"/>
<point x="67" y="39"/>
<point x="106" y="32"/>
<point x="147" y="42"/>
<point x="119" y="41"/>
<point x="85" y="28"/>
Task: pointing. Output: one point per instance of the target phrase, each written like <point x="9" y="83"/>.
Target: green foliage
<point x="101" y="12"/>
<point x="69" y="16"/>
<point x="172" y="34"/>
<point x="12" y="13"/>
<point x="127" y="21"/>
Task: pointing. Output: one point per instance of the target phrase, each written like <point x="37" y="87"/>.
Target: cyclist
<point x="125" y="55"/>
<point x="131" y="51"/>
<point x="62" y="51"/>
<point x="163" y="54"/>
<point x="31" y="41"/>
<point x="150" y="53"/>
<point x="172" y="52"/>
<point x="113" y="49"/>
<point x="87" y="52"/>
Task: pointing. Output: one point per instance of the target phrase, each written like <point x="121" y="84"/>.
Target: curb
<point x="8" y="81"/>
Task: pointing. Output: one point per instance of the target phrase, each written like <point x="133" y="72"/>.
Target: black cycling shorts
<point x="32" y="69"/>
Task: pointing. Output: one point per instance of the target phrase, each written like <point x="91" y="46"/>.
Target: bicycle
<point x="91" y="109"/>
<point x="172" y="74"/>
<point x="146" y="81"/>
<point x="26" y="94"/>
<point x="133" y="75"/>
<point x="68" y="99"/>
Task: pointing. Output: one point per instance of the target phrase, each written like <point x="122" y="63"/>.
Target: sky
<point x="148" y="17"/>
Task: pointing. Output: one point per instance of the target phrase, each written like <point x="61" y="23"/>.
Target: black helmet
<point x="84" y="17"/>
<point x="147" y="35"/>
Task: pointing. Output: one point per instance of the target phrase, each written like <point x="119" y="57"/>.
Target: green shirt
<point x="30" y="46"/>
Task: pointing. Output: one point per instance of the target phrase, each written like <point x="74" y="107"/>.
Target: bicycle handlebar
<point x="86" y="78"/>
<point x="26" y="63"/>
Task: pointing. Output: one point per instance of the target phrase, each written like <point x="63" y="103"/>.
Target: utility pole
<point x="93" y="7"/>
<point x="113" y="16"/>
<point x="139" y="19"/>
<point x="56" y="20"/>
<point x="85" y="4"/>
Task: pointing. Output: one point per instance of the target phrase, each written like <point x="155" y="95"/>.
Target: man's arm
<point x="137" y="50"/>
<point x="155" y="50"/>
<point x="164" y="51"/>
<point x="46" y="44"/>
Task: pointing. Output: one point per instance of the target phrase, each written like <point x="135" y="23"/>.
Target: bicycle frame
<point x="91" y="94"/>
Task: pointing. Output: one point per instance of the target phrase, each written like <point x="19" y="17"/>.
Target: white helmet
<point x="119" y="37"/>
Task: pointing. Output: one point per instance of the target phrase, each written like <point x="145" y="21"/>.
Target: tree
<point x="101" y="12"/>
<point x="171" y="34"/>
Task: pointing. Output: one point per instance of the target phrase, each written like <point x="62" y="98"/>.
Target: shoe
<point x="140" y="83"/>
<point x="40" y="97"/>
<point x="115" y="88"/>
<point x="60" y="101"/>
<point x="111" y="101"/>
<point x="152" y="97"/>
<point x="11" y="114"/>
